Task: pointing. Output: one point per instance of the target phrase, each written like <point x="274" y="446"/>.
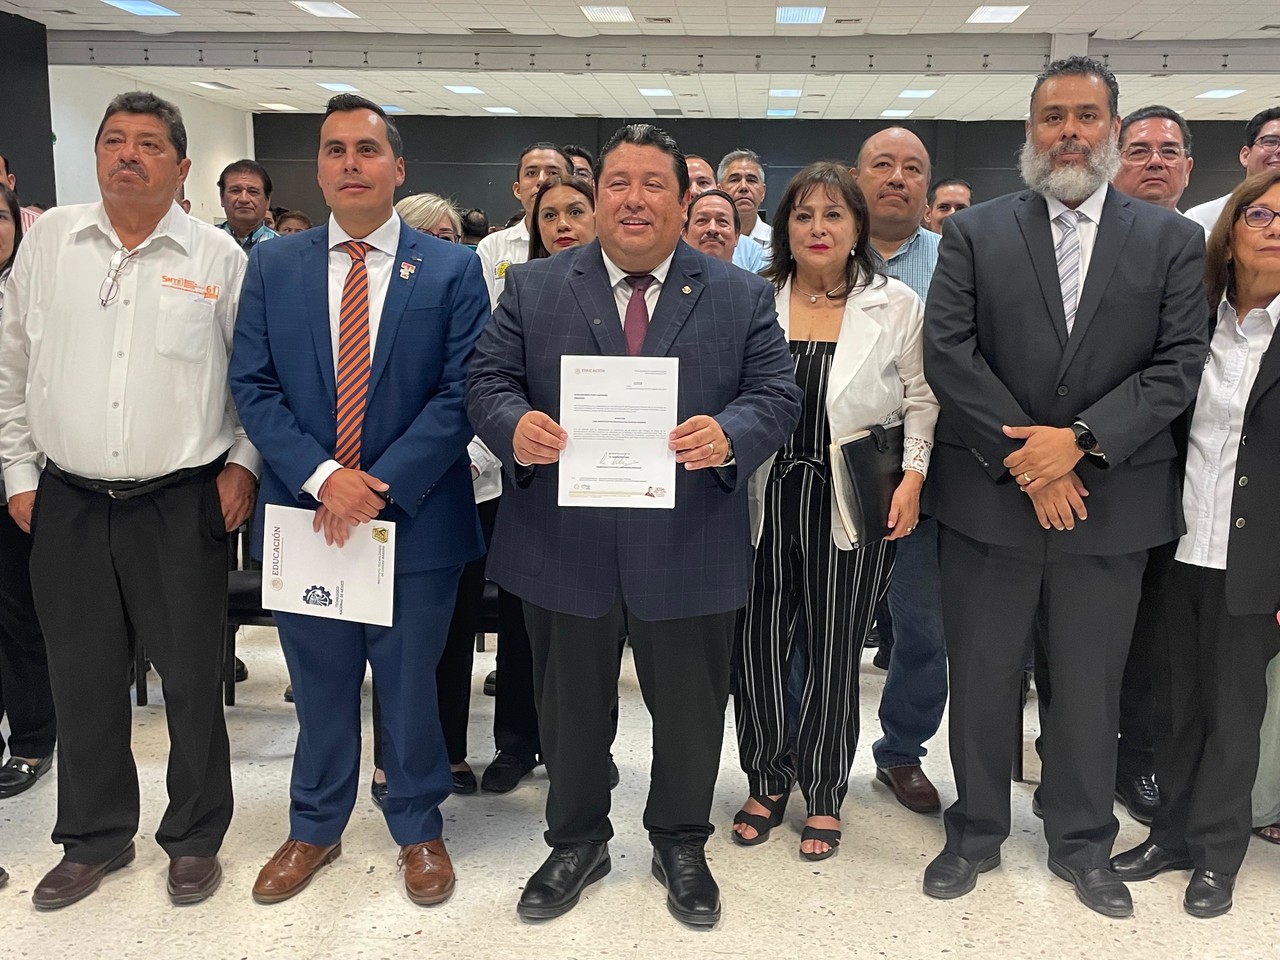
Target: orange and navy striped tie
<point x="353" y="356"/>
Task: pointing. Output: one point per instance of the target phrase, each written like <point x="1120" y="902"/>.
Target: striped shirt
<point x="913" y="262"/>
<point x="29" y="216"/>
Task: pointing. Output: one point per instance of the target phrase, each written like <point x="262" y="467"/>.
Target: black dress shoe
<point x="556" y="886"/>
<point x="288" y="694"/>
<point x="491" y="683"/>
<point x="1209" y="893"/>
<point x="505" y="773"/>
<point x="882" y="659"/>
<point x="873" y="638"/>
<point x="951" y="875"/>
<point x="614" y="777"/>
<point x="378" y="791"/>
<point x="1146" y="860"/>
<point x="17" y="776"/>
<point x="1140" y="796"/>
<point x="464" y="782"/>
<point x="692" y="894"/>
<point x="1098" y="888"/>
<point x="242" y="672"/>
<point x="1035" y="803"/>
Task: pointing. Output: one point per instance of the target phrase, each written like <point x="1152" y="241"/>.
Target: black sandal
<point x="761" y="825"/>
<point x="829" y="837"/>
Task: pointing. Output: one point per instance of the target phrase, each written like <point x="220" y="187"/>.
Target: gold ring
<point x="712" y="446"/>
<point x="1026" y="478"/>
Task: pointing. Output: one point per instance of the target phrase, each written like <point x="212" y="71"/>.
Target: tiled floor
<point x="865" y="902"/>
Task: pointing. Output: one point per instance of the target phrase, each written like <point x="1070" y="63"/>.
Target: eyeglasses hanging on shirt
<point x="111" y="285"/>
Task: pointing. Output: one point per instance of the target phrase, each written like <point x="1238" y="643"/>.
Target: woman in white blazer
<point x="855" y="337"/>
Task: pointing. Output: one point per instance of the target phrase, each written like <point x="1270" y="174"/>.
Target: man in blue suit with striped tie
<point x="351" y="352"/>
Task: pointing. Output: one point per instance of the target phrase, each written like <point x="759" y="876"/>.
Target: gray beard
<point x="1070" y="184"/>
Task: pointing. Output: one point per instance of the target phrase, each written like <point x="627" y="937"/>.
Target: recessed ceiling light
<point x="788" y="112"/>
<point x="996" y="14"/>
<point x="338" y="87"/>
<point x="391" y="108"/>
<point x="277" y="106"/>
<point x="785" y="93"/>
<point x="917" y="94"/>
<point x="1218" y="94"/>
<point x="896" y="114"/>
<point x="142" y="8"/>
<point x="791" y="15"/>
<point x="501" y="109"/>
<point x="319" y="8"/>
<point x="463" y="89"/>
<point x="655" y="92"/>
<point x="608" y="14"/>
<point x="212" y="85"/>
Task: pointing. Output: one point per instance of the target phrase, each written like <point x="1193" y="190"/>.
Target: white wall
<point x="216" y="135"/>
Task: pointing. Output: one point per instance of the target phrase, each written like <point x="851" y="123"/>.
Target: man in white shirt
<point x="1261" y="151"/>
<point x="539" y="162"/>
<point x="1155" y="156"/>
<point x="123" y="458"/>
<point x="741" y="175"/>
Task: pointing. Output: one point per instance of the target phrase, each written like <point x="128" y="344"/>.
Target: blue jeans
<point x="915" y="691"/>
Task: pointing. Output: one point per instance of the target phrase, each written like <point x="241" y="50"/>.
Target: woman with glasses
<point x="1218" y="597"/>
<point x="25" y="698"/>
<point x="433" y="214"/>
<point x="564" y="212"/>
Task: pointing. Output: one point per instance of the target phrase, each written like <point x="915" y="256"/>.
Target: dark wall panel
<point x="473" y="159"/>
<point x="26" y="137"/>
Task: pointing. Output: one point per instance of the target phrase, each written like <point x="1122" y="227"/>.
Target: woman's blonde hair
<point x="422" y="211"/>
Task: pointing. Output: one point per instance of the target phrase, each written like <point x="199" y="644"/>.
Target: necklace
<point x="813" y="297"/>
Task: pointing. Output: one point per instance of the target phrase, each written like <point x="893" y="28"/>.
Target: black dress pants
<point x="1210" y="697"/>
<point x="25" y="696"/>
<point x="158" y="562"/>
<point x="1084" y="607"/>
<point x="683" y="668"/>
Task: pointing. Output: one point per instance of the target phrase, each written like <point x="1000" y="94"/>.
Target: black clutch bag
<point x="866" y="469"/>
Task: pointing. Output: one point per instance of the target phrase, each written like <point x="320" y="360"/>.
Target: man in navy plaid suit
<point x="672" y="579"/>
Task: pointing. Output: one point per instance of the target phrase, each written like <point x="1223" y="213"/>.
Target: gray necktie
<point x="1068" y="253"/>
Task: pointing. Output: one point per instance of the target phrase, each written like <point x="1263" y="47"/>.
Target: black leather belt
<point x="131" y="489"/>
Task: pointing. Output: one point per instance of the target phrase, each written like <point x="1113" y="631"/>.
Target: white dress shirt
<point x="132" y="390"/>
<point x="379" y="261"/>
<point x="622" y="289"/>
<point x="1235" y="354"/>
<point x="1207" y="214"/>
<point x="761" y="233"/>
<point x="498" y="251"/>
<point x="1087" y="227"/>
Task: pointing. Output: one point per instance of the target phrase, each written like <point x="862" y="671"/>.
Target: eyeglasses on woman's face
<point x="1258" y="216"/>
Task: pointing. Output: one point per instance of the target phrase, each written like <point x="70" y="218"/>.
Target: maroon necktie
<point x="636" y="323"/>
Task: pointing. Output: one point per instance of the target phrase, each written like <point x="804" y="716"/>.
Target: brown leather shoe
<point x="911" y="787"/>
<point x="428" y="872"/>
<point x="68" y="882"/>
<point x="192" y="879"/>
<point x="291" y="868"/>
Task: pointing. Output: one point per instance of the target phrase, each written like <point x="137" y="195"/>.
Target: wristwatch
<point x="1086" y="442"/>
<point x="728" y="452"/>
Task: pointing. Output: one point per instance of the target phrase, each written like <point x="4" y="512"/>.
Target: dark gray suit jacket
<point x="996" y="352"/>
<point x="689" y="561"/>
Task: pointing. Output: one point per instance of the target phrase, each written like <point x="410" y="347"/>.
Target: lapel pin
<point x="406" y="270"/>
<point x="686" y="289"/>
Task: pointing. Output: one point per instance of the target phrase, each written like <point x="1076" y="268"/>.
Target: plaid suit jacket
<point x="689" y="561"/>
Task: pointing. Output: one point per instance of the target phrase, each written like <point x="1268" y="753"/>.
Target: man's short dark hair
<point x="245" y="166"/>
<point x="1157" y="111"/>
<point x="647" y="135"/>
<point x="544" y="145"/>
<point x="139" y="101"/>
<point x="347" y="102"/>
<point x="1082" y="67"/>
<point x="1251" y="131"/>
<point x="475" y="223"/>
<point x="574" y="150"/>
<point x="737" y="220"/>
<point x="949" y="182"/>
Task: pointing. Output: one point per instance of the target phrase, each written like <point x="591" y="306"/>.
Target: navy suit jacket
<point x="415" y="430"/>
<point x="694" y="559"/>
<point x="996" y="352"/>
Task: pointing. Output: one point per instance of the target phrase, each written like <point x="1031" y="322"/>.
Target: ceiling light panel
<point x="996" y="14"/>
<point x="142" y="8"/>
<point x="317" y="8"/>
<point x="608" y="14"/>
<point x="799" y="15"/>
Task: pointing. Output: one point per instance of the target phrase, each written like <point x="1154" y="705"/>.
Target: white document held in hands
<point x="303" y="574"/>
<point x="618" y="412"/>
